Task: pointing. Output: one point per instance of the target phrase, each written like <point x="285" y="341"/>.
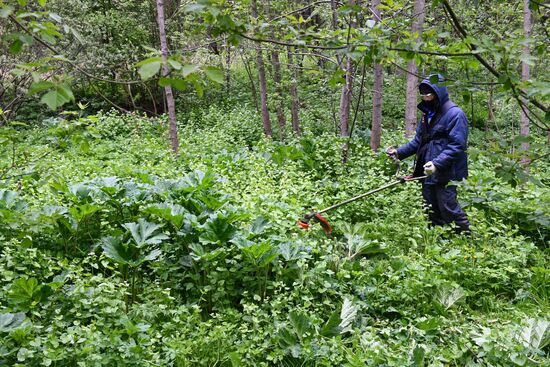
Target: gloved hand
<point x="392" y="153"/>
<point x="429" y="168"/>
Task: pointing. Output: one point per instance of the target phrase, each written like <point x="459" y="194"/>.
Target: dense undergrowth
<point x="115" y="252"/>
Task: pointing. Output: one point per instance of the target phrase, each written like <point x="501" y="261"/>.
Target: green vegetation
<point x="148" y="204"/>
<point x="116" y="252"/>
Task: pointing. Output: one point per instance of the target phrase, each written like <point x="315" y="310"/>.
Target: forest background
<point x="156" y="155"/>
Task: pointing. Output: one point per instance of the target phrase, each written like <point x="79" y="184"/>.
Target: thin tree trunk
<point x="334" y="23"/>
<point x="279" y="90"/>
<point x="295" y="104"/>
<point x="412" y="70"/>
<point x="347" y="89"/>
<point x="252" y="83"/>
<point x="345" y="99"/>
<point x="165" y="71"/>
<point x="376" y="129"/>
<point x="228" y="68"/>
<point x="490" y="109"/>
<point x="524" y="120"/>
<point x="263" y="84"/>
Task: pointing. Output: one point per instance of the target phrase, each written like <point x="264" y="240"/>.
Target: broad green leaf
<point x="81" y="211"/>
<point x="419" y="355"/>
<point x="58" y="97"/>
<point x="339" y="323"/>
<point x="448" y="295"/>
<point x="6" y="11"/>
<point x="27" y="293"/>
<point x="149" y="70"/>
<point x="194" y="8"/>
<point x="55" y="17"/>
<point x="198" y="88"/>
<point x="115" y="249"/>
<point x="175" y="64"/>
<point x="347" y="315"/>
<point x="259" y="225"/>
<point x="186" y="70"/>
<point x="371" y="23"/>
<point x="153" y="255"/>
<point x="41" y="86"/>
<point x="143" y="233"/>
<point x="172" y="213"/>
<point x="332" y="326"/>
<point x="536" y="334"/>
<point x="42" y="2"/>
<point x="8" y="199"/>
<point x="301" y="323"/>
<point x="16" y="46"/>
<point x="218" y="229"/>
<point x="214" y="74"/>
<point x="179" y="84"/>
<point x="11" y="321"/>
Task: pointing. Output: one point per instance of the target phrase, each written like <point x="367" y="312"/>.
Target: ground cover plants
<point x="116" y="252"/>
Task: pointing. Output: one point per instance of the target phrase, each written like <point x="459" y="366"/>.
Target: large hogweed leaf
<point x="340" y="323"/>
<point x="9" y="200"/>
<point x="172" y="213"/>
<point x="11" y="321"/>
<point x="536" y="334"/>
<point x="115" y="249"/>
<point x="125" y="253"/>
<point x="260" y="254"/>
<point x="448" y="295"/>
<point x="358" y="243"/>
<point x="143" y="233"/>
<point x="218" y="228"/>
<point x="26" y="293"/>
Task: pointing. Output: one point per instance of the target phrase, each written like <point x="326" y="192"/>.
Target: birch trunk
<point x="412" y="70"/>
<point x="295" y="104"/>
<point x="170" y="104"/>
<point x="279" y="90"/>
<point x="376" y="129"/>
<point x="263" y="83"/>
<point x="524" y="120"/>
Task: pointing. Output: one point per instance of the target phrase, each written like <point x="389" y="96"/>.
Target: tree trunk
<point x="252" y="83"/>
<point x="228" y="68"/>
<point x="345" y="99"/>
<point x="412" y="70"/>
<point x="279" y="90"/>
<point x="347" y="89"/>
<point x="524" y="120"/>
<point x="334" y="23"/>
<point x="263" y="84"/>
<point x="376" y="129"/>
<point x="165" y="71"/>
<point x="490" y="109"/>
<point x="295" y="104"/>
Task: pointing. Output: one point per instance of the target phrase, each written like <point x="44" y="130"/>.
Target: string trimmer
<point x="316" y="215"/>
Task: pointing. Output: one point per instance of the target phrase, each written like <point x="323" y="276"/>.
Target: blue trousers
<point x="443" y="207"/>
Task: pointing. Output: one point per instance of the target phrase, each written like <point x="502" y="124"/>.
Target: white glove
<point x="392" y="153"/>
<point x="429" y="168"/>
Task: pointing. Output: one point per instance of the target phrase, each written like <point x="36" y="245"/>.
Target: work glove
<point x="392" y="153"/>
<point x="429" y="168"/>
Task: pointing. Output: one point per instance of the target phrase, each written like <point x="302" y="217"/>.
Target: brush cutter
<point x="316" y="215"/>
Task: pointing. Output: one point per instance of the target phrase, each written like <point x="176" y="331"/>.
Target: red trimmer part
<point x="324" y="223"/>
<point x="304" y="223"/>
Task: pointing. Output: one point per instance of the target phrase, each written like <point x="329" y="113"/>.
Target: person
<point x="440" y="147"/>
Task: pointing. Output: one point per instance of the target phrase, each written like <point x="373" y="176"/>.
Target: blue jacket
<point x="443" y="140"/>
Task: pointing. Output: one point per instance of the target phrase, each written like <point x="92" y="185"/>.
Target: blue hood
<point x="441" y="91"/>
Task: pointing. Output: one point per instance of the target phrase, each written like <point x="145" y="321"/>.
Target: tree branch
<point x="492" y="70"/>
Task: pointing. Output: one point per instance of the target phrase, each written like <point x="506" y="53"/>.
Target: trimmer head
<point x="304" y="222"/>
